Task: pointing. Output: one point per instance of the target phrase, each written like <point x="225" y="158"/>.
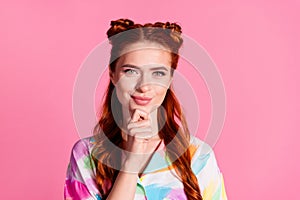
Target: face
<point x="142" y="77"/>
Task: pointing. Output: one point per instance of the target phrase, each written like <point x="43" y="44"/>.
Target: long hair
<point x="172" y="124"/>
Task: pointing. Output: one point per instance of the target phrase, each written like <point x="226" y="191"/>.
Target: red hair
<point x="175" y="137"/>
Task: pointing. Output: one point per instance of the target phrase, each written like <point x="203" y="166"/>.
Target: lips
<point x="142" y="101"/>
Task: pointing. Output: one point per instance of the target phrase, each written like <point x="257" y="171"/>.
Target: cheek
<point x="126" y="85"/>
<point x="160" y="94"/>
<point x="123" y="89"/>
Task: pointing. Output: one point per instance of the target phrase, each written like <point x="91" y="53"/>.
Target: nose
<point x="144" y="84"/>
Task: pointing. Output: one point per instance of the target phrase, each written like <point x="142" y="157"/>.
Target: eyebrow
<point x="153" y="68"/>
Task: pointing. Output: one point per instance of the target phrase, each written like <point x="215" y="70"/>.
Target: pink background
<point x="254" y="45"/>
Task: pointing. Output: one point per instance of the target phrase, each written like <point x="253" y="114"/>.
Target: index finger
<point x="138" y="114"/>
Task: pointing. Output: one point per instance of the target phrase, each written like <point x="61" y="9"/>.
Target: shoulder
<point x="81" y="156"/>
<point x="82" y="149"/>
<point x="83" y="145"/>
<point x="198" y="147"/>
<point x="203" y="157"/>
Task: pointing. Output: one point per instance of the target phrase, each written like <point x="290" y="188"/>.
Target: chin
<point x="146" y="108"/>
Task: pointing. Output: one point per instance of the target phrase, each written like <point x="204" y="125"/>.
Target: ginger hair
<point x="176" y="137"/>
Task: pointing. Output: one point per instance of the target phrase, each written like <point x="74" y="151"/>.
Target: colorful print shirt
<point x="158" y="182"/>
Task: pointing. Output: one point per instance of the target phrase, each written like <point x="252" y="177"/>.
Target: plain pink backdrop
<point x="255" y="46"/>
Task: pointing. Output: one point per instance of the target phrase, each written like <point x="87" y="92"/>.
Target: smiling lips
<point x="142" y="101"/>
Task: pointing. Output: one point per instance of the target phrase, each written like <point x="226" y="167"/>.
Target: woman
<point x="142" y="148"/>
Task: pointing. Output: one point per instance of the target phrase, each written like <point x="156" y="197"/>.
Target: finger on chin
<point x="139" y="114"/>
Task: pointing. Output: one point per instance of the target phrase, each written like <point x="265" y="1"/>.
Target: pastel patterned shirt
<point x="158" y="182"/>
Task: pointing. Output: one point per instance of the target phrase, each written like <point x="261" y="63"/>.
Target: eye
<point x="159" y="73"/>
<point x="130" y="72"/>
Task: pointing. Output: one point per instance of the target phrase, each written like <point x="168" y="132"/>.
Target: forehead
<point x="146" y="54"/>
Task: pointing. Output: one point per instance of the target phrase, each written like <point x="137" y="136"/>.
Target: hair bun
<point x="173" y="27"/>
<point x="168" y="25"/>
<point x="122" y="22"/>
<point x="118" y="26"/>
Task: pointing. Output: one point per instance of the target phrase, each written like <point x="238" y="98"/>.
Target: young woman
<point x="142" y="148"/>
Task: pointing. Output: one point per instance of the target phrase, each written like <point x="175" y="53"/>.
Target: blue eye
<point x="159" y="73"/>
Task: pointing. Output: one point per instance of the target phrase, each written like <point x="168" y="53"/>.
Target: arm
<point x="138" y="154"/>
<point x="124" y="186"/>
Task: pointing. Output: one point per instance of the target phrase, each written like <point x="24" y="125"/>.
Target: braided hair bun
<point x="120" y="25"/>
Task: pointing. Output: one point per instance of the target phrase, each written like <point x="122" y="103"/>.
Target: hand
<point x="139" y="149"/>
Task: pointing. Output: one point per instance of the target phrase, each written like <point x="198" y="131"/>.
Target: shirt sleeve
<point x="210" y="178"/>
<point x="80" y="181"/>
